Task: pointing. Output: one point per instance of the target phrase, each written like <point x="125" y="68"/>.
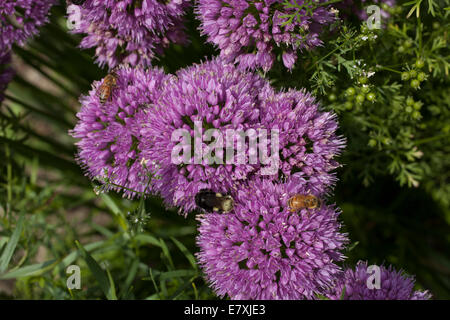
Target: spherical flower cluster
<point x="217" y="95"/>
<point x="394" y="285"/>
<point x="209" y="95"/>
<point x="6" y="72"/>
<point x="308" y="142"/>
<point x="252" y="33"/>
<point x="20" y="20"/>
<point x="262" y="250"/>
<point x="109" y="133"/>
<point x="129" y="31"/>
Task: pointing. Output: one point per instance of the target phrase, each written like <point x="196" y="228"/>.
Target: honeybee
<point x="211" y="201"/>
<point x="104" y="92"/>
<point x="302" y="201"/>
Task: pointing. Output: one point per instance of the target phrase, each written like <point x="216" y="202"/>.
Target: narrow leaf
<point x="103" y="278"/>
<point x="12" y="243"/>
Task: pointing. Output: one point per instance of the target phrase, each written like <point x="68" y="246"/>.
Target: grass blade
<point x="166" y="254"/>
<point x="31" y="270"/>
<point x="131" y="275"/>
<point x="103" y="278"/>
<point x="186" y="252"/>
<point x="12" y="243"/>
<point x="177" y="273"/>
<point x="147" y="239"/>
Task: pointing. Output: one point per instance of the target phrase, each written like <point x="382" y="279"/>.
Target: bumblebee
<point x="104" y="92"/>
<point x="301" y="201"/>
<point x="211" y="201"/>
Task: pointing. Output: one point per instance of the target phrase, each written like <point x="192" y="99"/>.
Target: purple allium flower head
<point x="6" y="72"/>
<point x="217" y="95"/>
<point x="262" y="250"/>
<point x="394" y="285"/>
<point x="128" y="31"/>
<point x="308" y="139"/>
<point x="253" y="32"/>
<point x="21" y="19"/>
<point x="212" y="95"/>
<point x="109" y="134"/>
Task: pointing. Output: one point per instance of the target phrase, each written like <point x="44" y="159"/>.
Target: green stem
<point x="329" y="2"/>
<point x="9" y="178"/>
<point x="125" y="188"/>
<point x="388" y="69"/>
<point x="128" y="189"/>
<point x="324" y="57"/>
<point x="430" y="139"/>
<point x="420" y="36"/>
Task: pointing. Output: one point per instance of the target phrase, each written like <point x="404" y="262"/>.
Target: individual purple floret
<point x="6" y="72"/>
<point x="20" y="20"/>
<point x="109" y="135"/>
<point x="211" y="95"/>
<point x="308" y="141"/>
<point x="394" y="285"/>
<point x="127" y="31"/>
<point x="262" y="250"/>
<point x="253" y="33"/>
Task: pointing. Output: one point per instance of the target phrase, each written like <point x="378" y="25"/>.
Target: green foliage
<point x="389" y="88"/>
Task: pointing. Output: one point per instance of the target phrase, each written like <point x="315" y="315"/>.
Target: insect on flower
<point x="301" y="201"/>
<point x="211" y="201"/>
<point x="105" y="90"/>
